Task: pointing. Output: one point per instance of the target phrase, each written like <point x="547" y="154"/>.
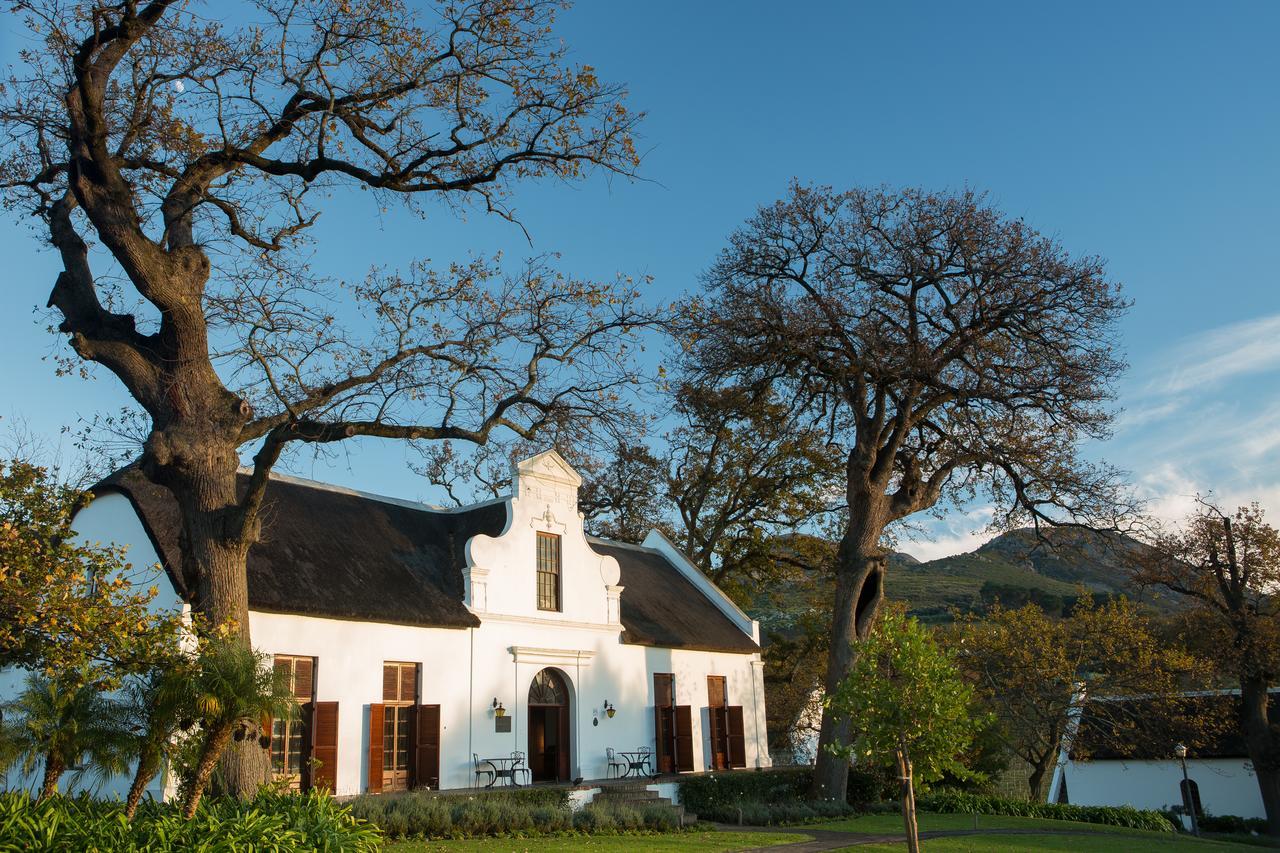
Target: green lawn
<point x="672" y="843"/>
<point x="1149" y="842"/>
<point x="883" y="824"/>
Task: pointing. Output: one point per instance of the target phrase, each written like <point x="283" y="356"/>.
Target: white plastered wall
<point x="1227" y="786"/>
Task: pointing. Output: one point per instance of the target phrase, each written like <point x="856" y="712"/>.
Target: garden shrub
<point x="767" y="798"/>
<point x="1126" y="816"/>
<point x="1230" y="823"/>
<point x="271" y="822"/>
<point x="523" y="814"/>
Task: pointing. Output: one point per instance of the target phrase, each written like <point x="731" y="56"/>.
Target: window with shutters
<point x="288" y="736"/>
<point x="548" y="571"/>
<point x="399" y="694"/>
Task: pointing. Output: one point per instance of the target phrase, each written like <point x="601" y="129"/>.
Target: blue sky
<point x="1147" y="133"/>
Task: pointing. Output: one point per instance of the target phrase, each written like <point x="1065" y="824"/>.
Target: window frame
<point x="397" y="717"/>
<point x="549" y="573"/>
<point x="286" y="730"/>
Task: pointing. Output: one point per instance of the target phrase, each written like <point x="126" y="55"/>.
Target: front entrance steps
<point x="638" y="795"/>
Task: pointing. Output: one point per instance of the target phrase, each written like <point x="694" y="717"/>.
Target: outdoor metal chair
<point x="616" y="764"/>
<point x="519" y="766"/>
<point x="483" y="768"/>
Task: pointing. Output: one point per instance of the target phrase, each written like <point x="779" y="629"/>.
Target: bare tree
<point x="950" y="352"/>
<point x="194" y="154"/>
<point x="1227" y="567"/>
<point x="734" y="481"/>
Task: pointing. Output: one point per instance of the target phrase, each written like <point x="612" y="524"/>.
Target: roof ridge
<point x="421" y="506"/>
<point x="632" y="545"/>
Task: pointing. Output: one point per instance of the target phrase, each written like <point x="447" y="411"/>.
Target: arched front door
<point x="549" y="727"/>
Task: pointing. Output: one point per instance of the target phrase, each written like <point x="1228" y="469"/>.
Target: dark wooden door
<point x="548" y="747"/>
<point x="719" y="722"/>
<point x="664" y="721"/>
<point x="737" y="736"/>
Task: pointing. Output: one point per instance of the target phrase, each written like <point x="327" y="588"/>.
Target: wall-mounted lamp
<point x="498" y="710"/>
<point x="608" y="709"/>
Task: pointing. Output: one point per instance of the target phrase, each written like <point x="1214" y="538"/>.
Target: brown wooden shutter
<point x="663" y="696"/>
<point x="409" y="682"/>
<point x="323" y="722"/>
<point x="684" y="737"/>
<point x="375" y="748"/>
<point x="426" y="747"/>
<point x="282" y="669"/>
<point x="715" y="691"/>
<point x="390" y="682"/>
<point x="304" y="679"/>
<point x="737" y="737"/>
<point x="305" y="713"/>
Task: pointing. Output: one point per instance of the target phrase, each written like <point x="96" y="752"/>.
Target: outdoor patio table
<point x="503" y="768"/>
<point x="637" y="763"/>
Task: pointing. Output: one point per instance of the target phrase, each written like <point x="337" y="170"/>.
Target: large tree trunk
<point x="214" y="745"/>
<point x="1038" y="776"/>
<point x="53" y="768"/>
<point x="859" y="591"/>
<point x="1263" y="745"/>
<point x="202" y="476"/>
<point x="148" y="766"/>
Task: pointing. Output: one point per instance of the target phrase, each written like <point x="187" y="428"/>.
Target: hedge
<point x="771" y="797"/>
<point x="520" y="814"/>
<point x="1126" y="816"/>
<point x="271" y="822"/>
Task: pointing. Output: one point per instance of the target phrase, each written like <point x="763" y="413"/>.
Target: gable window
<point x="548" y="571"/>
<point x="288" y="741"/>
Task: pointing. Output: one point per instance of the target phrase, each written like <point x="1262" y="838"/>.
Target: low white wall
<point x="1227" y="786"/>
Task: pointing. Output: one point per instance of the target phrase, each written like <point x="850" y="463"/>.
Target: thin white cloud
<point x="1247" y="347"/>
<point x="962" y="533"/>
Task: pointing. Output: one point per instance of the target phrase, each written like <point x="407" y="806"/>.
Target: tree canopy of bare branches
<point x="947" y="350"/>
<point x="175" y="163"/>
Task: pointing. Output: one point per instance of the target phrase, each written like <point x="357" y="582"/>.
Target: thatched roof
<point x="329" y="552"/>
<point x="661" y="607"/>
<point x="1133" y="729"/>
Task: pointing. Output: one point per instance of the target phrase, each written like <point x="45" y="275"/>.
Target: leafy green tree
<point x="1032" y="671"/>
<point x="65" y="723"/>
<point x="235" y="695"/>
<point x="907" y="699"/>
<point x="67" y="606"/>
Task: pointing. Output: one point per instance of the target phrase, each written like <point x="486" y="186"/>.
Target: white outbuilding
<point x="1142" y="769"/>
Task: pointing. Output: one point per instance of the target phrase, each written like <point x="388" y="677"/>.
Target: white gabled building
<point x="1143" y="771"/>
<point x="420" y="640"/>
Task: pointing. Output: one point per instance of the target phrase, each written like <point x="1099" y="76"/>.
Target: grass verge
<point x="675" y="842"/>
